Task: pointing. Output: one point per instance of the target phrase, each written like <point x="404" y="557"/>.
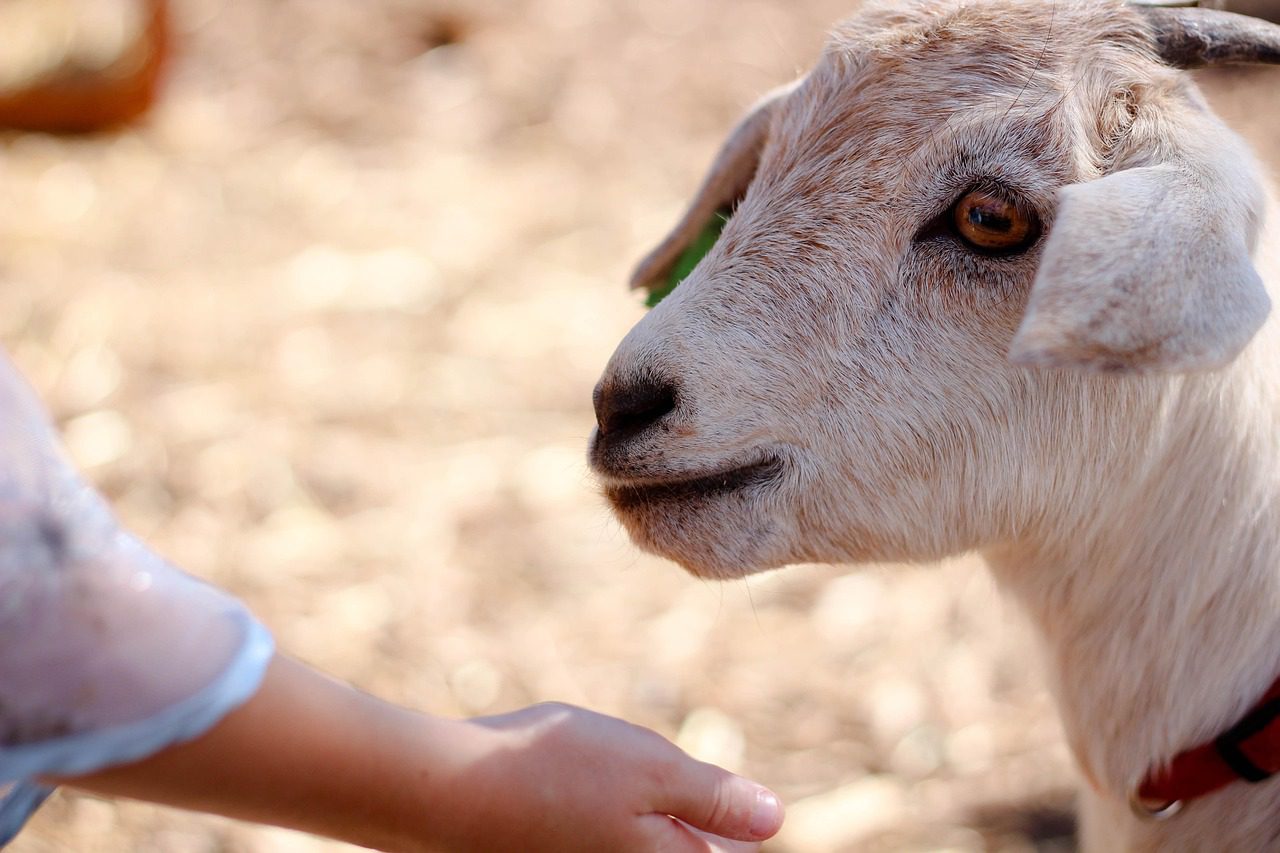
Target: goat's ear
<point x="723" y="187"/>
<point x="1148" y="269"/>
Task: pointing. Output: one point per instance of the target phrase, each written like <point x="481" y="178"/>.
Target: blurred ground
<point x="325" y="329"/>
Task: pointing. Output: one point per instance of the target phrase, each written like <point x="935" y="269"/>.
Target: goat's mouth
<point x="625" y="496"/>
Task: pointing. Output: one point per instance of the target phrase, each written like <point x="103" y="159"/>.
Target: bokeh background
<point x="324" y="327"/>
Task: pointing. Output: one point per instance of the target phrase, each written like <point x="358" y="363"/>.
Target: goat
<point x="996" y="279"/>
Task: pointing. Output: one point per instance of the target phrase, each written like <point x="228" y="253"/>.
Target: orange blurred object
<point x="66" y="91"/>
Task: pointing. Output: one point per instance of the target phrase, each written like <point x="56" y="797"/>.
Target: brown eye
<point x="992" y="224"/>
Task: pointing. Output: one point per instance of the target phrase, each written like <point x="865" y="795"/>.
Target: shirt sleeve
<point x="107" y="653"/>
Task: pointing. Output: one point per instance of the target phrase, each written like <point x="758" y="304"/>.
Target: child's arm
<point x="314" y="754"/>
<point x="108" y="654"/>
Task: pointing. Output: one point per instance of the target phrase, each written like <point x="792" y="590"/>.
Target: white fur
<point x="1122" y="477"/>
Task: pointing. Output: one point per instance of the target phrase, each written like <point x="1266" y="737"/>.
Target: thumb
<point x="716" y="801"/>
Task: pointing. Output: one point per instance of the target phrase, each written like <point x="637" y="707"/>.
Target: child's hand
<point x="311" y="753"/>
<point x="559" y="778"/>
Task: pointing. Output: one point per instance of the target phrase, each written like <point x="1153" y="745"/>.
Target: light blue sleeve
<point x="107" y="653"/>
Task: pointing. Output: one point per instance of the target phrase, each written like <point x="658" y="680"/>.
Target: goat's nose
<point x="628" y="408"/>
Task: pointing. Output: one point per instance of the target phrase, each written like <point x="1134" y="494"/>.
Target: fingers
<point x="716" y="844"/>
<point x="720" y="803"/>
<point x="674" y="836"/>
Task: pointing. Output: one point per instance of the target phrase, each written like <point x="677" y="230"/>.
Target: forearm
<point x="309" y="753"/>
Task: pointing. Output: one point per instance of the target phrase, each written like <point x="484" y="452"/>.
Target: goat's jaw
<point x="676" y="491"/>
<point x="688" y="518"/>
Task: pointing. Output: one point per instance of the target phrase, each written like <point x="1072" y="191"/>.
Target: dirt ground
<point x="325" y="328"/>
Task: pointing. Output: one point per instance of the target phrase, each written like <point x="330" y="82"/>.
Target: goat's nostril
<point x="630" y="407"/>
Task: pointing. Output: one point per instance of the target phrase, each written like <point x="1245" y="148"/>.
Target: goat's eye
<point x="992" y="224"/>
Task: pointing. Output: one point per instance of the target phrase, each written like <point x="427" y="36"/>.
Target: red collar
<point x="1249" y="750"/>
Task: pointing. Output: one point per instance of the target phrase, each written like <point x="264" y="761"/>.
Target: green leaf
<point x="690" y="257"/>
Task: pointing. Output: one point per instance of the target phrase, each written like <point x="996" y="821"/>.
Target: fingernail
<point x="766" y="817"/>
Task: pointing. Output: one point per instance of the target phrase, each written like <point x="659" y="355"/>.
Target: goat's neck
<point x="1161" y="609"/>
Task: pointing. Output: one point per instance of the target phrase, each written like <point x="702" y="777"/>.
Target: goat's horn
<point x="1195" y="38"/>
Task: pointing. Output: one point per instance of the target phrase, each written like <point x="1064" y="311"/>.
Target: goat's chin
<point x="721" y="537"/>
<point x="709" y="560"/>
